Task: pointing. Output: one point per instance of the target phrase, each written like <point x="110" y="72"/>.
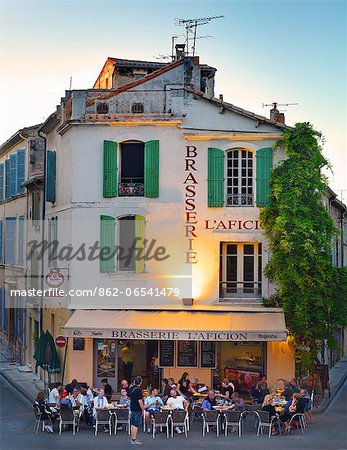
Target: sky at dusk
<point x="284" y="51"/>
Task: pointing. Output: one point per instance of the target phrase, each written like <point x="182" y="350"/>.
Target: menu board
<point x="208" y="355"/>
<point x="166" y="353"/>
<point x="187" y="355"/>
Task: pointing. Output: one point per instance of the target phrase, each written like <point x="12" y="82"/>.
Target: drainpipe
<point x="43" y="214"/>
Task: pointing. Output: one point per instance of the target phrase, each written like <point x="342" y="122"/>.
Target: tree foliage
<point x="300" y="231"/>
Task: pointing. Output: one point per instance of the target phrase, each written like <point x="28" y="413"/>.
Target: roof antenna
<point x="191" y="26"/>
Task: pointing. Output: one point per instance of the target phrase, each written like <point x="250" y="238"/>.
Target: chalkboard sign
<point x="166" y="353"/>
<point x="187" y="355"/>
<point x="208" y="355"/>
<point x="78" y="343"/>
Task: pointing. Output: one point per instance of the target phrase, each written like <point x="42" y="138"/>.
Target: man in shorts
<point x="136" y="408"/>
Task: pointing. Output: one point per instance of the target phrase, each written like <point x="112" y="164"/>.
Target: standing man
<point x="136" y="408"/>
<point x="107" y="389"/>
<point x="127" y="357"/>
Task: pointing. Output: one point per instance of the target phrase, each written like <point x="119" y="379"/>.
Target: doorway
<point x="105" y="362"/>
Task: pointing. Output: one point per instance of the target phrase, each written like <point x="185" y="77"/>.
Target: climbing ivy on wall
<point x="311" y="291"/>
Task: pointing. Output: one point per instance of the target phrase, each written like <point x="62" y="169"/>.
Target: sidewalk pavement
<point x="29" y="384"/>
<point x="337" y="378"/>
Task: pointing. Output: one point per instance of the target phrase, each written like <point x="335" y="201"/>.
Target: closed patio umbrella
<point x="40" y="350"/>
<point x="51" y="361"/>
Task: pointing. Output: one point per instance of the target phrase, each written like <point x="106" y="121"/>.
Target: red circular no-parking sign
<point x="60" y="341"/>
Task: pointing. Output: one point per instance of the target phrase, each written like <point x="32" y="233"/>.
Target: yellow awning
<point x="178" y="325"/>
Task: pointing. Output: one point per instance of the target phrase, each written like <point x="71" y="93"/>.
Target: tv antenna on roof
<point x="191" y="26"/>
<point x="275" y="104"/>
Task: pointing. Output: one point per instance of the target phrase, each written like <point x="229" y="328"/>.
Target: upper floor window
<point x="240" y="182"/>
<point x="240" y="270"/>
<point x="132" y="170"/>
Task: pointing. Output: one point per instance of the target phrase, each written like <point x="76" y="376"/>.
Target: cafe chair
<point x="121" y="417"/>
<point x="68" y="417"/>
<point x="39" y="420"/>
<point x="196" y="412"/>
<point x="210" y="418"/>
<point x="299" y="420"/>
<point x="179" y="419"/>
<point x="232" y="419"/>
<point x="161" y="419"/>
<point x="265" y="421"/>
<point x="103" y="417"/>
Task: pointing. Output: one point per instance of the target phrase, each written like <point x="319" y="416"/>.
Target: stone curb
<point x="20" y="389"/>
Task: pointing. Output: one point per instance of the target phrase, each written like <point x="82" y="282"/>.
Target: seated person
<point x="257" y="394"/>
<point x="70" y="386"/>
<point x="262" y="383"/>
<point x="151" y="405"/>
<point x="237" y="401"/>
<point x="294" y="385"/>
<point x="294" y="406"/>
<point x="87" y="407"/>
<point x="308" y="405"/>
<point x="177" y="401"/>
<point x="100" y="401"/>
<point x="107" y="389"/>
<point x="125" y="385"/>
<point x="269" y="407"/>
<point x="209" y="401"/>
<point x="54" y="394"/>
<point x="41" y="408"/>
<point x="288" y="391"/>
<point x="124" y="400"/>
<point x="77" y="399"/>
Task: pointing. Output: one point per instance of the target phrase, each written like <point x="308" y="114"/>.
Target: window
<point x="240" y="270"/>
<point x="20" y="240"/>
<point x="2" y="176"/>
<point x="137" y="108"/>
<point x="35" y="206"/>
<point x="34" y="276"/>
<point x="121" y="241"/>
<point x="240" y="183"/>
<point x="10" y="240"/>
<point x="1" y="231"/>
<point x="132" y="170"/>
<point x="126" y="241"/>
<point x="102" y="108"/>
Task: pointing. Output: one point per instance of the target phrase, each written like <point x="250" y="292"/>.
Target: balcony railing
<point x="239" y="289"/>
<point x="131" y="187"/>
<point x="240" y="200"/>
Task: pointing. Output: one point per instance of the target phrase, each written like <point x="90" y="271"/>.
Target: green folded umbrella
<point x="51" y="361"/>
<point x="40" y="350"/>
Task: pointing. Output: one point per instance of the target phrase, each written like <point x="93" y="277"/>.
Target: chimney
<point x="180" y="51"/>
<point x="221" y="97"/>
<point x="276" y="115"/>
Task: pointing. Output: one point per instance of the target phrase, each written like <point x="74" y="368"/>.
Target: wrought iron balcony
<point x="239" y="289"/>
<point x="131" y="187"/>
<point x="240" y="200"/>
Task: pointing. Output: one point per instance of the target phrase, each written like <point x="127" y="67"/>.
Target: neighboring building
<point x="14" y="168"/>
<point x="338" y="212"/>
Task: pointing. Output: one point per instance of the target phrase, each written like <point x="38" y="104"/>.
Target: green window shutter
<point x="140" y="233"/>
<point x="152" y="169"/>
<point x="215" y="178"/>
<point x="110" y="169"/>
<point x="264" y="168"/>
<point x="2" y="177"/>
<point x="7" y="178"/>
<point x="13" y="175"/>
<point x="108" y="240"/>
<point x="51" y="176"/>
<point x="20" y="170"/>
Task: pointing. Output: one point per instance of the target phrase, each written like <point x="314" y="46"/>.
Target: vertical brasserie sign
<point x="190" y="183"/>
